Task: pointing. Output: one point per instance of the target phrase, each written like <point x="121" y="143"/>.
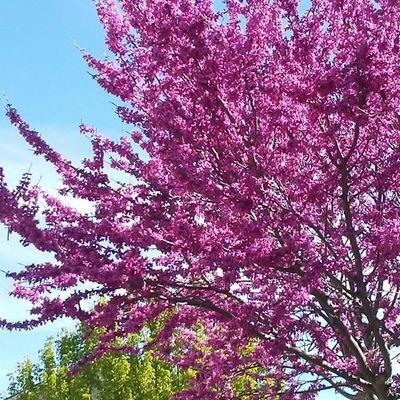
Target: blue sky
<point x="43" y="75"/>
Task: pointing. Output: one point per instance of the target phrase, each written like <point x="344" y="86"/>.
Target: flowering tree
<point x="263" y="199"/>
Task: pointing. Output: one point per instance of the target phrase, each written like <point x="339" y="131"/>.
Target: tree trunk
<point x="383" y="395"/>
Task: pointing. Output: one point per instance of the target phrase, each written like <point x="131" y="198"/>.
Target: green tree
<point x="25" y="377"/>
<point x="114" y="376"/>
<point x="117" y="375"/>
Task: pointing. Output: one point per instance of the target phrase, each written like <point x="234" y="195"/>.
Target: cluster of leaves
<point x="136" y="375"/>
<point x="114" y="376"/>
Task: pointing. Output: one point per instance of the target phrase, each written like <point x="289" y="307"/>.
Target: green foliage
<point x="26" y="377"/>
<point x="115" y="376"/>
